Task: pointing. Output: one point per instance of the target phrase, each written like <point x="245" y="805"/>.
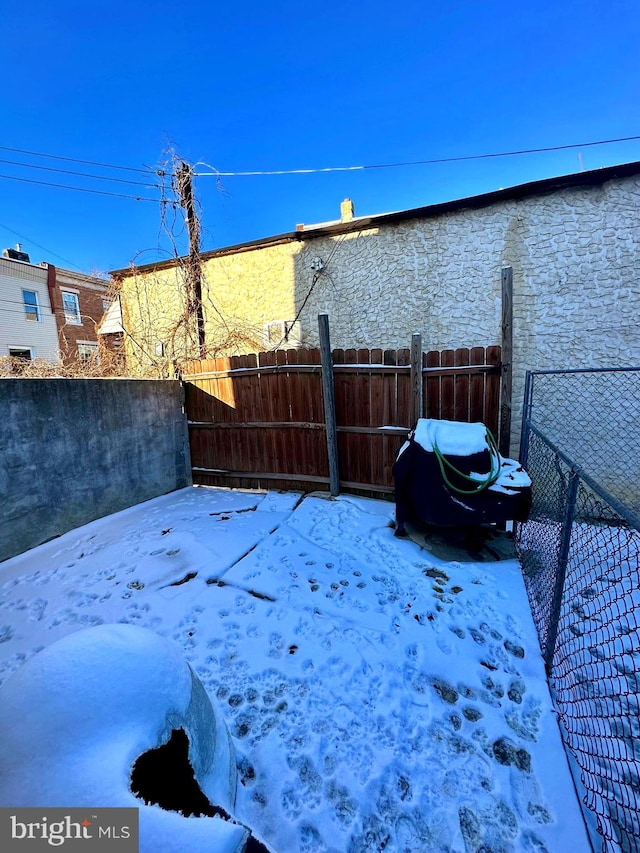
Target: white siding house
<point x="27" y="323"/>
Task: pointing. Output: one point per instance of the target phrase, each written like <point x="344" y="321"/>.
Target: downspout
<point x="51" y="285"/>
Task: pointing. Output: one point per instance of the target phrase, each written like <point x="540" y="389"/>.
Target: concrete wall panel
<point x="73" y="450"/>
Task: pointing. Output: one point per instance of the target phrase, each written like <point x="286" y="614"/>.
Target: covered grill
<point x="451" y="474"/>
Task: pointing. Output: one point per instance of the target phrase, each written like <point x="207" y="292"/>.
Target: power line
<point x="75" y="160"/>
<point x="4" y="301"/>
<point x="83" y="189"/>
<point x="44" y="248"/>
<point x="55" y="313"/>
<point x="82" y="174"/>
<point x="220" y="174"/>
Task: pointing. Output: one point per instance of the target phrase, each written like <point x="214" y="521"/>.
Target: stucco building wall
<point x="575" y="255"/>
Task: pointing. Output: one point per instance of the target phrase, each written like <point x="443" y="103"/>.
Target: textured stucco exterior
<point x="574" y="251"/>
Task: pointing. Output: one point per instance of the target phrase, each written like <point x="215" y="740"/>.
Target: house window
<point x="281" y="332"/>
<point x="88" y="353"/>
<point x="105" y="305"/>
<point x="31" y="307"/>
<point x="71" y="308"/>
<point x="23" y="353"/>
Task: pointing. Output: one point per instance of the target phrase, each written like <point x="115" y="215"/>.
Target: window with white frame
<point x="71" y="307"/>
<point x="31" y="307"/>
<point x="88" y="352"/>
<point x="283" y="332"/>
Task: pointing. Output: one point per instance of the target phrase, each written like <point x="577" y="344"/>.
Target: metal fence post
<point x="328" y="393"/>
<point x="526" y="419"/>
<point x="563" y="559"/>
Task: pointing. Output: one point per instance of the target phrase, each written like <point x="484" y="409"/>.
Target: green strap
<point x="479" y="485"/>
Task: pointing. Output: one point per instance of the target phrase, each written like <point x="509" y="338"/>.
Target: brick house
<point x="79" y="303"/>
<point x="47" y="312"/>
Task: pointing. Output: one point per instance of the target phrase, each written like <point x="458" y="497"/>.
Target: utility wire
<point x="83" y="189"/>
<point x="75" y="160"/>
<point x="23" y="306"/>
<point x="82" y="174"/>
<point x="48" y="312"/>
<point x="44" y="248"/>
<point x="219" y="174"/>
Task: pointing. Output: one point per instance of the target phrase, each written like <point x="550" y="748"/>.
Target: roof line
<point x="593" y="177"/>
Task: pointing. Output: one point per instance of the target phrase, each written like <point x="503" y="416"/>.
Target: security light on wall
<point x="317" y="264"/>
<point x="159" y="349"/>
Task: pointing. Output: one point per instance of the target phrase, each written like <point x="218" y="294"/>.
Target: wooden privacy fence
<point x="257" y="421"/>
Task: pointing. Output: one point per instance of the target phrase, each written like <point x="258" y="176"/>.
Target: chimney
<point x="346" y="210"/>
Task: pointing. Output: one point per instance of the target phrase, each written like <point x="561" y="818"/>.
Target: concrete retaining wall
<point x="73" y="450"/>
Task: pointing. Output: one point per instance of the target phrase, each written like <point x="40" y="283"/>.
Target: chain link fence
<point x="594" y="417"/>
<point x="580" y="551"/>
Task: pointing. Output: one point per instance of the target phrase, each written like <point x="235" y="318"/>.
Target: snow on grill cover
<point x="451" y="474"/>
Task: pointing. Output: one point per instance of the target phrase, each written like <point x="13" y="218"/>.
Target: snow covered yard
<point x="378" y="698"/>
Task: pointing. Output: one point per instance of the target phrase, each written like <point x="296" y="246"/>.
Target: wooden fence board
<point x="432" y="389"/>
<point x="350" y="461"/>
<point x="389" y="413"/>
<point x="403" y="416"/>
<point x="258" y="421"/>
<point x="269" y="409"/>
<point x="492" y="392"/>
<point x="476" y="387"/>
<point x="376" y="412"/>
<point x="447" y="387"/>
<point x="299" y="444"/>
<point x="461" y="387"/>
<point x="308" y="406"/>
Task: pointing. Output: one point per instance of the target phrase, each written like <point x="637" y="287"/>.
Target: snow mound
<point x="512" y="477"/>
<point x="452" y="437"/>
<point x="74" y="719"/>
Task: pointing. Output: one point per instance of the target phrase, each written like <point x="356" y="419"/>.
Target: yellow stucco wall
<point x="241" y="293"/>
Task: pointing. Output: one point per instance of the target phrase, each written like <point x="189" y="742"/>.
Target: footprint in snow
<point x="445" y="647"/>
<point x="516" y="691"/>
<point x="525" y="720"/>
<point x="344" y="807"/>
<point x="70" y="617"/>
<point x="291" y="805"/>
<point x="36" y="610"/>
<point x="6" y="633"/>
<point x="528" y="798"/>
<point x="310" y="840"/>
<point x="310" y="780"/>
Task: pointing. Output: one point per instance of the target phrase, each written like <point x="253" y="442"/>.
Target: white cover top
<point x="452" y="437"/>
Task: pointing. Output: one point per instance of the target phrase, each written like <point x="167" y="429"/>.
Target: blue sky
<point x="259" y="87"/>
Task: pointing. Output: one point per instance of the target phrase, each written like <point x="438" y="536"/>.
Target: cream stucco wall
<point x="575" y="254"/>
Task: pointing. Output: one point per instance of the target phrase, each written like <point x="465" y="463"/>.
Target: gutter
<point x="594" y="177"/>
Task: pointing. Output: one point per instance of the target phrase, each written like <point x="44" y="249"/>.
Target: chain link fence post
<point x="563" y="558"/>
